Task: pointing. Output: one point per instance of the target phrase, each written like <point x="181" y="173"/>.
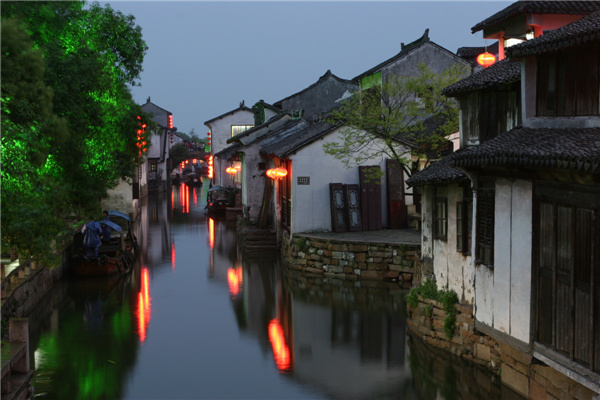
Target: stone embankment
<point x="353" y="258"/>
<point x="517" y="369"/>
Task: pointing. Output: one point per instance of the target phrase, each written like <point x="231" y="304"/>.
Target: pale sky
<point x="204" y="58"/>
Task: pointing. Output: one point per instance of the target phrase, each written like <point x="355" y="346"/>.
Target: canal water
<point x="197" y="320"/>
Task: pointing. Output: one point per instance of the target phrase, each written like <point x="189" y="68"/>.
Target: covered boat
<point x="218" y="199"/>
<point x="105" y="247"/>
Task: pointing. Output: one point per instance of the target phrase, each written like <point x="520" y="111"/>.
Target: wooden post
<point x="18" y="331"/>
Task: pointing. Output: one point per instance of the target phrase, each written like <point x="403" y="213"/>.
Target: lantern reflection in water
<point x="211" y="232"/>
<point x="143" y="311"/>
<point x="281" y="352"/>
<point x="173" y="256"/>
<point x="235" y="278"/>
<point x="184" y="198"/>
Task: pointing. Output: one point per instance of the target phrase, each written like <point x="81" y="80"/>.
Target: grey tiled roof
<point x="242" y="107"/>
<point x="502" y="72"/>
<point x="441" y="171"/>
<point x="321" y="79"/>
<point x="538" y="7"/>
<point x="569" y="148"/>
<point x="248" y="132"/>
<point x="228" y="151"/>
<point x="473" y="52"/>
<point x="576" y="33"/>
<point x="405" y="51"/>
<point x="286" y="145"/>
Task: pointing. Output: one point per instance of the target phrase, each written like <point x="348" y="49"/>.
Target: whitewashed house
<point x="244" y="149"/>
<point x="153" y="172"/>
<point x="447" y="195"/>
<point x="534" y="258"/>
<point x="311" y="197"/>
<point x="228" y="125"/>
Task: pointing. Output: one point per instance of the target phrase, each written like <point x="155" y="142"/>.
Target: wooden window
<point x="566" y="260"/>
<point x="485" y="226"/>
<point x="464" y="225"/>
<point x="440" y="222"/>
<point x="568" y="82"/>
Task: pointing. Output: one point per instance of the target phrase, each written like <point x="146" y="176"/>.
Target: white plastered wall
<point x="503" y="293"/>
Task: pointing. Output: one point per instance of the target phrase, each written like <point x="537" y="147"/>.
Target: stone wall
<point x="427" y="321"/>
<point x="22" y="299"/>
<point x="352" y="260"/>
<point x="517" y="369"/>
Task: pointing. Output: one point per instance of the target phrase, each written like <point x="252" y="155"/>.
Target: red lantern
<point x="486" y="59"/>
<point x="231" y="170"/>
<point x="276" y="173"/>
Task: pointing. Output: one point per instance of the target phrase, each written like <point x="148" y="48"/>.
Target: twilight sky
<point x="205" y="57"/>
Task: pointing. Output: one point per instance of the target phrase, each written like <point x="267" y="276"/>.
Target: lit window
<point x="237" y="129"/>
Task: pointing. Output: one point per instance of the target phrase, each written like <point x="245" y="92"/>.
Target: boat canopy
<point x="215" y="188"/>
<point x="113" y="225"/>
<point x="119" y="214"/>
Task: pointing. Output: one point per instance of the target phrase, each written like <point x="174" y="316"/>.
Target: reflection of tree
<point x="101" y="357"/>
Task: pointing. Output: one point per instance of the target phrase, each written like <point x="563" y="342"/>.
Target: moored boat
<point x="116" y="253"/>
<point x="218" y="199"/>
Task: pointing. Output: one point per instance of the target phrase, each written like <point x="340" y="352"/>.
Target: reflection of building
<point x="223" y="251"/>
<point x="154" y="230"/>
<point x="349" y="354"/>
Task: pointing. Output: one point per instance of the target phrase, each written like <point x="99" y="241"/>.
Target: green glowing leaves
<point x="68" y="119"/>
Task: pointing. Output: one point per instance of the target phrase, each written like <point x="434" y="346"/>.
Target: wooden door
<point x="370" y="188"/>
<point x="353" y="217"/>
<point x="338" y="207"/>
<point x="397" y="212"/>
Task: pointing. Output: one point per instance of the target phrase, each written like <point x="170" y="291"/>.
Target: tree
<point x="401" y="117"/>
<point x="177" y="154"/>
<point x="68" y="120"/>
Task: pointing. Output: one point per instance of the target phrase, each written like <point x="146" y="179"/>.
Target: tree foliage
<point x="177" y="154"/>
<point x="401" y="117"/>
<point x="68" y="119"/>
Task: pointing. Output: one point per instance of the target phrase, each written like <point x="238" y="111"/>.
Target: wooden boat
<point x="191" y="177"/>
<point x="115" y="255"/>
<point x="218" y="199"/>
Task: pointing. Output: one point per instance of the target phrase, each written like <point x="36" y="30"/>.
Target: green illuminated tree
<point x="68" y="120"/>
<point x="398" y="118"/>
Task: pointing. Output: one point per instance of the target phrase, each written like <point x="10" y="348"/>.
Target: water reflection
<point x="143" y="308"/>
<point x="196" y="319"/>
